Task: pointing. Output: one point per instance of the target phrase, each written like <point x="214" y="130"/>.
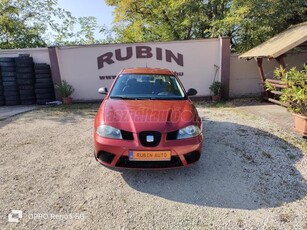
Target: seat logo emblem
<point x="150" y="138"/>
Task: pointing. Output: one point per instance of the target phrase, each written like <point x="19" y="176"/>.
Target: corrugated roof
<point x="280" y="44"/>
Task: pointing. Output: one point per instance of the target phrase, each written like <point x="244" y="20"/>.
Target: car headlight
<point x="188" y="132"/>
<point x="109" y="132"/>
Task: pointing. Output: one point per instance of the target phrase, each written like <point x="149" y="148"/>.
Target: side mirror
<point x="103" y="90"/>
<point x="192" y="92"/>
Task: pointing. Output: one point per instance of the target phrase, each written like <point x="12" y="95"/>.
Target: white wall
<point x="40" y="55"/>
<point x="78" y="65"/>
<point x="244" y="76"/>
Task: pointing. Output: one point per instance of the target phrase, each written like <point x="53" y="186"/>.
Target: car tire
<point x="26" y="87"/>
<point x="26" y="92"/>
<point x="10" y="88"/>
<point x="6" y="84"/>
<point x="11" y="93"/>
<point x="25" y="75"/>
<point x="24" y="62"/>
<point x="44" y="91"/>
<point x="8" y="69"/>
<point x="43" y="86"/>
<point x="7" y="59"/>
<point x="43" y="76"/>
<point x="28" y="97"/>
<point x="8" y="74"/>
<point x="25" y="81"/>
<point x="41" y="66"/>
<point x="7" y="64"/>
<point x="45" y="96"/>
<point x="25" y="70"/>
<point x="44" y="81"/>
<point x="42" y="71"/>
<point x="28" y="102"/>
<point x="12" y="102"/>
<point x="9" y="79"/>
<point x="12" y="98"/>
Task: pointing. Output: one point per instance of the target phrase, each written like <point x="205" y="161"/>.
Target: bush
<point x="65" y="89"/>
<point x="295" y="95"/>
<point x="216" y="88"/>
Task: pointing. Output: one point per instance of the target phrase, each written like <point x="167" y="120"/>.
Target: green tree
<point x="152" y="20"/>
<point x="252" y="22"/>
<point x="38" y="23"/>
<point x="14" y="32"/>
<point x="246" y="22"/>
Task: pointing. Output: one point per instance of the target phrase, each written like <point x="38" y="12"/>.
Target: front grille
<point x="125" y="162"/>
<point x="156" y="138"/>
<point x="127" y="135"/>
<point x="192" y="157"/>
<point x="106" y="156"/>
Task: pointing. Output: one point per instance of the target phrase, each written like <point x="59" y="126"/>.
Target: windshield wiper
<point x="122" y="97"/>
<point x="130" y="98"/>
<point x="146" y="98"/>
<point x="167" y="98"/>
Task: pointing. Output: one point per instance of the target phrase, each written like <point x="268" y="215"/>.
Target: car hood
<point x="154" y="115"/>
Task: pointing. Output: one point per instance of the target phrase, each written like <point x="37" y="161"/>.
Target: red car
<point x="147" y="120"/>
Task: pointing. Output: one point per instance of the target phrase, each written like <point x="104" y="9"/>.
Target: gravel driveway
<point x="252" y="175"/>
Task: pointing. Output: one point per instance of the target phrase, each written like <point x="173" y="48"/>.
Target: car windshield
<point x="146" y="86"/>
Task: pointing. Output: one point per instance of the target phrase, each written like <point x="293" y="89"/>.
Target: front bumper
<point x="114" y="153"/>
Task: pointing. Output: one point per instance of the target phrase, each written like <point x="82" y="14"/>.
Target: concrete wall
<point x="244" y="77"/>
<point x="40" y="55"/>
<point x="82" y="66"/>
<point x="201" y="65"/>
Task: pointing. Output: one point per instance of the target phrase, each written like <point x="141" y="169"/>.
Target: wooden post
<point x="261" y="75"/>
<point x="225" y="66"/>
<point x="55" y="68"/>
<point x="281" y="61"/>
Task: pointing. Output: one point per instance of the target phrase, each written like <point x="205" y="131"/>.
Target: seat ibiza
<point x="147" y="120"/>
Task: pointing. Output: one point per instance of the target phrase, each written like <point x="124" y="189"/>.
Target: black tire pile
<point x="44" y="88"/>
<point x="24" y="82"/>
<point x="25" y="79"/>
<point x="1" y="92"/>
<point x="9" y="83"/>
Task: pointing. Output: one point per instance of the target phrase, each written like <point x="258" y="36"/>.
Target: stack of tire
<point x="25" y="79"/>
<point x="1" y="92"/>
<point x="9" y="83"/>
<point x="44" y="88"/>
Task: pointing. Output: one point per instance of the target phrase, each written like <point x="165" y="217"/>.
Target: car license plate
<point x="150" y="155"/>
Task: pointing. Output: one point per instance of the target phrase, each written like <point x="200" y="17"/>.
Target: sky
<point x="96" y="8"/>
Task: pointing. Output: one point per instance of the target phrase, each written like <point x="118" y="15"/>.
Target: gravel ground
<point x="252" y="175"/>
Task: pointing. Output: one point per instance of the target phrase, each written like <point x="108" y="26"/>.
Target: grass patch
<point x="240" y="223"/>
<point x="82" y="109"/>
<point x="300" y="142"/>
<point x="285" y="217"/>
<point x="73" y="107"/>
<point x="248" y="157"/>
<point x="291" y="156"/>
<point x="217" y="104"/>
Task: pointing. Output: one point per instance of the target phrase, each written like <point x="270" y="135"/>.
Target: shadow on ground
<point x="241" y="168"/>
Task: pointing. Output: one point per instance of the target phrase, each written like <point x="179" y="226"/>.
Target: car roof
<point x="143" y="70"/>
